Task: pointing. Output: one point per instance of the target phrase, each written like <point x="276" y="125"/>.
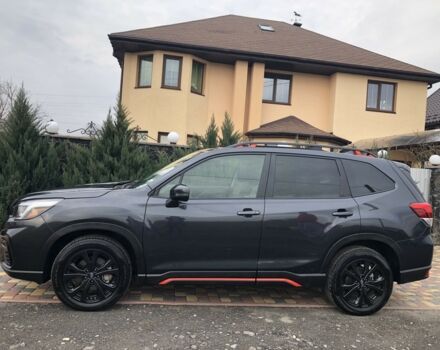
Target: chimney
<point x="297" y="21"/>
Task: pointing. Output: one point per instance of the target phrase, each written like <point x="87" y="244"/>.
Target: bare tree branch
<point x="8" y="91"/>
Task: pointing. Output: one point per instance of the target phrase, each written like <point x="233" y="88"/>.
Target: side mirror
<point x="179" y="193"/>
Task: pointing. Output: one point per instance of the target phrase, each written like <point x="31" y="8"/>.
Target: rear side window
<point x="365" y="179"/>
<point x="306" y="177"/>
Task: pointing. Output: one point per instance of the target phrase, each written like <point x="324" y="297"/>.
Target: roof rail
<point x="306" y="146"/>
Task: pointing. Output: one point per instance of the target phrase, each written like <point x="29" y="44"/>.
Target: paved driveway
<point x="422" y="295"/>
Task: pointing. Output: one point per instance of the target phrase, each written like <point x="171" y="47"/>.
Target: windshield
<point x="167" y="168"/>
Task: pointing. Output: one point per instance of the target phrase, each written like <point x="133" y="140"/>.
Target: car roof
<point x="305" y="150"/>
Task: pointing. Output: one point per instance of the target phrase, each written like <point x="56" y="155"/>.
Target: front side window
<point x="234" y="176"/>
<point x="306" y="177"/>
<point x="276" y="88"/>
<point x="145" y="70"/>
<point x="172" y="71"/>
<point x="381" y="96"/>
<point x="365" y="179"/>
<point x="197" y="76"/>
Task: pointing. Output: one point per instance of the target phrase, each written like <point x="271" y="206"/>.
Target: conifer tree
<point x="229" y="136"/>
<point x="115" y="154"/>
<point x="29" y="162"/>
<point x="77" y="164"/>
<point x="210" y="139"/>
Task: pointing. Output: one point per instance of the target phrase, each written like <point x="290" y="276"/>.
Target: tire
<point x="359" y="281"/>
<point x="91" y="273"/>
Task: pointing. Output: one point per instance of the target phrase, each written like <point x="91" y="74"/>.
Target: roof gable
<point x="293" y="126"/>
<point x="242" y="34"/>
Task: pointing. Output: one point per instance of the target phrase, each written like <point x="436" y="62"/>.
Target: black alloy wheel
<point x="91" y="273"/>
<point x="360" y="281"/>
<point x="90" y="276"/>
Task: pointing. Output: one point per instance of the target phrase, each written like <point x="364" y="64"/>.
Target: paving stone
<point x="423" y="294"/>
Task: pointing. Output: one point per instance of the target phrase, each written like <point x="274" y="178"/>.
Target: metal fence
<point x="422" y="177"/>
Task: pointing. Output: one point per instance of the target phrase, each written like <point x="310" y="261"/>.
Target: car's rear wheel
<point x="91" y="273"/>
<point x="359" y="281"/>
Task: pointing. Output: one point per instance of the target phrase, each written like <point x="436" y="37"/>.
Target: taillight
<point x="423" y="211"/>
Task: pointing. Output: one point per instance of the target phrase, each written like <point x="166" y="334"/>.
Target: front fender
<point x="120" y="233"/>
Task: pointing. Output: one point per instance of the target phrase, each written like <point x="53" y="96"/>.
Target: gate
<point x="422" y="178"/>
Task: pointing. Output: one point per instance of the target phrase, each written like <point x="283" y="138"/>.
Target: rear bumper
<point x="412" y="275"/>
<point x="415" y="259"/>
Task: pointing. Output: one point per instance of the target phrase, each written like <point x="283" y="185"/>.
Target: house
<point x="413" y="148"/>
<point x="433" y="111"/>
<point x="175" y="77"/>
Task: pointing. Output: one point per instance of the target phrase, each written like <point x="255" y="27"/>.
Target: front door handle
<point x="248" y="212"/>
<point x="342" y="213"/>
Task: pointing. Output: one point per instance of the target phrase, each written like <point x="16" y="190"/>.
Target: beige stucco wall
<point x="353" y="122"/>
<point x="309" y="101"/>
<point x="157" y="109"/>
<point x="332" y="103"/>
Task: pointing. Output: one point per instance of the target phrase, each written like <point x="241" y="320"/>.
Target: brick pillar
<point x="435" y="201"/>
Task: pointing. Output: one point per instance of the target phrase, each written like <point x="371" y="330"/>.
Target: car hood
<point x="84" y="191"/>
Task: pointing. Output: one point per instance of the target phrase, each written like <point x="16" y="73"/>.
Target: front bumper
<point x="34" y="276"/>
<point x="21" y="246"/>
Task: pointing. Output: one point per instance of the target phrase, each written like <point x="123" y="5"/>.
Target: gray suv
<point x="337" y="219"/>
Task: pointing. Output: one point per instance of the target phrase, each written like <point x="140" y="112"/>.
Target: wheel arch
<point x="120" y="234"/>
<point x="382" y="244"/>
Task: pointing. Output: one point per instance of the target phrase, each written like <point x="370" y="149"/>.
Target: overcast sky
<point x="60" y="51"/>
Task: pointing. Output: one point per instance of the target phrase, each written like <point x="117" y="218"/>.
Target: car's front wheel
<point x="91" y="273"/>
<point x="359" y="281"/>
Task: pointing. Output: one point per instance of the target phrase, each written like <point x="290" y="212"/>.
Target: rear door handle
<point x="248" y="212"/>
<point x="342" y="213"/>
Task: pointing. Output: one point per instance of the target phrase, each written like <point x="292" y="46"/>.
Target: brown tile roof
<point x="293" y="126"/>
<point x="242" y="34"/>
<point x="433" y="110"/>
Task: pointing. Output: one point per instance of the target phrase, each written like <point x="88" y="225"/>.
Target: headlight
<point x="32" y="208"/>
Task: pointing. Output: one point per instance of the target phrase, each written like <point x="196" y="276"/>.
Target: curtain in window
<point x="372" y="95"/>
<point x="145" y="71"/>
<point x="197" y="77"/>
<point x="268" y="89"/>
<point x="283" y="89"/>
<point x="172" y="69"/>
<point x="386" y="97"/>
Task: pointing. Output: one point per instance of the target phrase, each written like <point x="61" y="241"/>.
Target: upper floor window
<point x="145" y="70"/>
<point x="381" y="96"/>
<point x="197" y="76"/>
<point x="277" y="88"/>
<point x="172" y="72"/>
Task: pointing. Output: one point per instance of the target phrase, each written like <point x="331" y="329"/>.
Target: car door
<point x="216" y="233"/>
<point x="308" y="208"/>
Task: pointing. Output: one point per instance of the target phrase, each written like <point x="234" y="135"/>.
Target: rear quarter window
<point x="365" y="179"/>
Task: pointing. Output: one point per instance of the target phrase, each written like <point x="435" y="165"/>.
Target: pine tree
<point x="210" y="139"/>
<point x="76" y="170"/>
<point x="229" y="136"/>
<point x="29" y="162"/>
<point x="115" y="154"/>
